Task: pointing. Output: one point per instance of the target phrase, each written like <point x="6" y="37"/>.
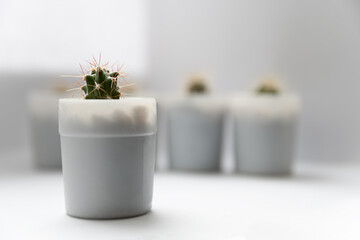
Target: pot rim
<point x="133" y="116"/>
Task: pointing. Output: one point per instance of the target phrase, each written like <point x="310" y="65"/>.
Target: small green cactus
<point x="100" y="82"/>
<point x="197" y="84"/>
<point x="269" y="85"/>
<point x="197" y="87"/>
<point x="265" y="89"/>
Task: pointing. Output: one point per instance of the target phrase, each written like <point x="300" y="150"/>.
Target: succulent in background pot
<point x="108" y="149"/>
<point x="195" y="128"/>
<point x="265" y="123"/>
<point x="44" y="130"/>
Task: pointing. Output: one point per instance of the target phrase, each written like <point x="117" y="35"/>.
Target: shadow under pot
<point x="108" y="156"/>
<point x="195" y="128"/>
<point x="44" y="129"/>
<point x="265" y="133"/>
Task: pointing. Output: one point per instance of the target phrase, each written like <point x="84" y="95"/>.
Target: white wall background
<point x="40" y="35"/>
<point x="314" y="45"/>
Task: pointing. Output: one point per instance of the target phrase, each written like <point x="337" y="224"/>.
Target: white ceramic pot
<point x="161" y="137"/>
<point x="195" y="128"/>
<point x="44" y="130"/>
<point x="108" y="156"/>
<point x="265" y="132"/>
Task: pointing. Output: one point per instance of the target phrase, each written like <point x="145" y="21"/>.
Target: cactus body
<point x="269" y="85"/>
<point x="265" y="89"/>
<point x="197" y="84"/>
<point x="197" y="88"/>
<point x="100" y="83"/>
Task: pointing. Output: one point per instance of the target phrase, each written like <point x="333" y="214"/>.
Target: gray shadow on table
<point x="150" y="220"/>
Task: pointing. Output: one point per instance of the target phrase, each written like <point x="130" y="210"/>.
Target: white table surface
<point x="319" y="202"/>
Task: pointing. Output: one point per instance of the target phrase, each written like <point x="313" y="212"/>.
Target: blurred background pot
<point x="195" y="128"/>
<point x="43" y="118"/>
<point x="265" y="132"/>
<point x="108" y="155"/>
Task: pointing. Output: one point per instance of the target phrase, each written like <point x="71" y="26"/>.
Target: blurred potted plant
<point x="195" y="127"/>
<point x="108" y="148"/>
<point x="43" y="116"/>
<point x="265" y="125"/>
